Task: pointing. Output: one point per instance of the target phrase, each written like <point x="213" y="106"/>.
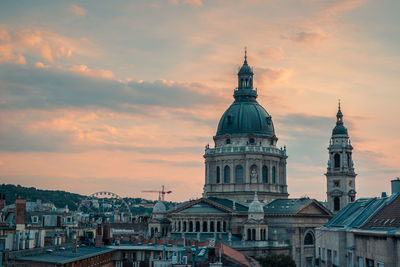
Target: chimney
<point x="2" y="201"/>
<point x="396" y="186"/>
<point x="20" y="213"/>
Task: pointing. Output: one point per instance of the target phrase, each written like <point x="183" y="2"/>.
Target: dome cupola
<point x="339" y="128"/>
<point x="159" y="207"/>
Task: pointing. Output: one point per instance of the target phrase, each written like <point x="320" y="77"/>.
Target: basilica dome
<point x="246" y="117"/>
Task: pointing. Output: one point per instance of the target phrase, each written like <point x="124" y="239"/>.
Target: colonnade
<point x="200" y="226"/>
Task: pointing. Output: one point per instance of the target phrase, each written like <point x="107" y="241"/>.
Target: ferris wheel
<point x="106" y="205"/>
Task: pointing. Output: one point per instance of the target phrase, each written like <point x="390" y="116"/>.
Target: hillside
<point x="62" y="198"/>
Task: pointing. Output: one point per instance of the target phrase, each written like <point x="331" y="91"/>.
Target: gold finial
<point x="245" y="54"/>
<point x="339" y="103"/>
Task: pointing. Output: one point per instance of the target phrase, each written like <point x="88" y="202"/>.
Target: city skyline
<point x="124" y="97"/>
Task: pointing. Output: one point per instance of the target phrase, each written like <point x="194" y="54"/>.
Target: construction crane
<point x="162" y="192"/>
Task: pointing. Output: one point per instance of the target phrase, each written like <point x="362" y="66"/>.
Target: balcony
<point x="242" y="149"/>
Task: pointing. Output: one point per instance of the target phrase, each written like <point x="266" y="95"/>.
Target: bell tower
<point x="340" y="175"/>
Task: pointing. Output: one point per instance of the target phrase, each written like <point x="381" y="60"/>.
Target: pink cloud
<point x="77" y="10"/>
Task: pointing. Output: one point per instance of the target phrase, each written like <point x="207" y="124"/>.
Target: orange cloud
<point x="96" y="73"/>
<point x="77" y="10"/>
<point x="40" y="43"/>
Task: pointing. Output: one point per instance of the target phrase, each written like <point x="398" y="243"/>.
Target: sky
<point x="123" y="96"/>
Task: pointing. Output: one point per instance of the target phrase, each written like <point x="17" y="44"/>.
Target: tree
<point x="277" y="260"/>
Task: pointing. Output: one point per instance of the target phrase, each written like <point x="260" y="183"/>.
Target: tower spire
<point x="245" y="55"/>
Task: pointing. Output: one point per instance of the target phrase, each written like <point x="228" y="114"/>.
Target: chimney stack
<point x="396" y="186"/>
<point x="20" y="213"/>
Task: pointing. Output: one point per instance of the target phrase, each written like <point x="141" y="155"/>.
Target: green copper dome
<point x="245" y="115"/>
<point x="339" y="129"/>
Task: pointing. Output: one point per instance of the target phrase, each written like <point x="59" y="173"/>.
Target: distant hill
<point x="59" y="198"/>
<point x="63" y="198"/>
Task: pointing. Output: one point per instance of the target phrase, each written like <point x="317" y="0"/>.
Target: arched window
<point x="309" y="239"/>
<point x="239" y="174"/>
<point x="224" y="226"/>
<point x="227" y="174"/>
<point x="273" y="174"/>
<point x="212" y="226"/>
<point x="190" y="226"/>
<point x="218" y="226"/>
<point x="184" y="226"/>
<point x="197" y="226"/>
<point x="337" y="160"/>
<point x="218" y="175"/>
<point x="248" y="234"/>
<point x="228" y="141"/>
<point x="336" y="204"/>
<point x="265" y="174"/>
<point x="253" y="234"/>
<point x="179" y="226"/>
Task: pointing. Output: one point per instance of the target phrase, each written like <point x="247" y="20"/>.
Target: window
<point x="309" y="239"/>
<point x="227" y="174"/>
<point x="35" y="219"/>
<point x="239" y="174"/>
<point x="197" y="226"/>
<point x="228" y="141"/>
<point x="336" y="204"/>
<point x="212" y="226"/>
<point x="380" y="264"/>
<point x="350" y="260"/>
<point x="323" y="255"/>
<point x="265" y="174"/>
<point x="336" y="183"/>
<point x="273" y="174"/>
<point x="369" y="263"/>
<point x="205" y="226"/>
<point x="337" y="160"/>
<point x="251" y="141"/>
<point x="218" y="175"/>
<point x="248" y="234"/>
<point x="360" y="262"/>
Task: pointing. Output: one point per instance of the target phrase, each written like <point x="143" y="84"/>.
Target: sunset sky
<point x="122" y="96"/>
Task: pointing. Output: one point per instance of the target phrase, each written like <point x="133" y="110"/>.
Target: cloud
<point x="193" y="2"/>
<point x="77" y="10"/>
<point x="272" y="75"/>
<point x="189" y="2"/>
<point x="309" y="37"/>
<point x="16" y="43"/>
<point x="97" y="73"/>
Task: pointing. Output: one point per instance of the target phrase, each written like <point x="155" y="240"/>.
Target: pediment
<point x="201" y="206"/>
<point x="313" y="208"/>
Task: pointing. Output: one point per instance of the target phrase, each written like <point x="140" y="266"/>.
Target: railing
<point x="241" y="149"/>
<point x="259" y="244"/>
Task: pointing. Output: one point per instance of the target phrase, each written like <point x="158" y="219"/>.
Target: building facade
<point x="245" y="203"/>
